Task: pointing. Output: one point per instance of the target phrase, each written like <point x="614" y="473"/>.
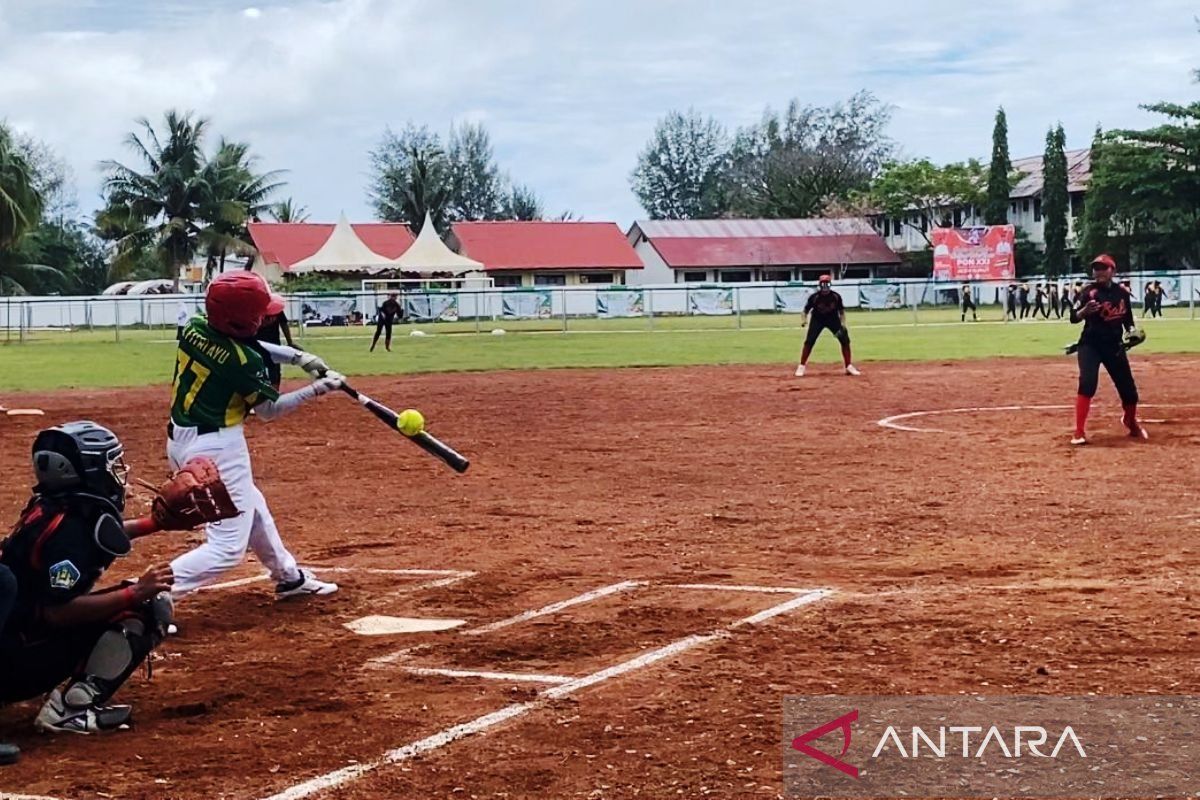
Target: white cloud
<point x="570" y="90"/>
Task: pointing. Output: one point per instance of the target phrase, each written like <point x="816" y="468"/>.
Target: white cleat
<point x="852" y="370"/>
<point x="800" y="371"/>
<point x="306" y="584"/>
<point x="1079" y="440"/>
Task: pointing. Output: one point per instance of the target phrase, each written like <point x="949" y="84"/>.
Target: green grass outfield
<point x="84" y="359"/>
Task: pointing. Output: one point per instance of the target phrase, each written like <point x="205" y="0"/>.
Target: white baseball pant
<point x="228" y="539"/>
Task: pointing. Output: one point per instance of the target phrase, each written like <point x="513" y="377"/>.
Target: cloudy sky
<point x="571" y="89"/>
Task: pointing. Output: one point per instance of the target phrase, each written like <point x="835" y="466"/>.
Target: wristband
<point x="130" y="596"/>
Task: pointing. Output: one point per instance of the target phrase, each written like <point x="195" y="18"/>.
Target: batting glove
<point x="331" y="382"/>
<point x="312" y="364"/>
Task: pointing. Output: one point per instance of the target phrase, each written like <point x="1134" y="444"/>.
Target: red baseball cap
<point x="825" y="279"/>
<point x="1105" y="260"/>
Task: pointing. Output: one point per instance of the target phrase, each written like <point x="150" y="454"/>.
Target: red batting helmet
<point x="1105" y="260"/>
<point x="275" y="306"/>
<point x="236" y="303"/>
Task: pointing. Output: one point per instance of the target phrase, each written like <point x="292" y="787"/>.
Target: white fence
<point x="19" y="315"/>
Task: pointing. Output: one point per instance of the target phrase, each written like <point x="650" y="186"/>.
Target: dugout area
<point x="978" y="553"/>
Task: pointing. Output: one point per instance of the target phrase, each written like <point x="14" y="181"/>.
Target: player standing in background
<point x="1159" y="292"/>
<point x="1023" y="295"/>
<point x="274" y="325"/>
<point x="1148" y="300"/>
<point x="219" y="378"/>
<point x="388" y="311"/>
<point x="1065" y="299"/>
<point x="1040" y="302"/>
<point x="1052" y="302"/>
<point x="968" y="303"/>
<point x="1010" y="302"/>
<point x="1106" y="310"/>
<point x="827" y="311"/>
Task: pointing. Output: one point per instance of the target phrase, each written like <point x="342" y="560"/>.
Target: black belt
<point x="200" y="429"/>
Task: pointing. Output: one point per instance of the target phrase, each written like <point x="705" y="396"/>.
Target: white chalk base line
<point x="478" y="725"/>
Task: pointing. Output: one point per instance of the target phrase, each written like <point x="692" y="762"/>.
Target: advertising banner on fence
<point x="879" y="296"/>
<point x="984" y="252"/>
<point x="526" y="305"/>
<point x="431" y="307"/>
<point x="620" y="303"/>
<point x="791" y="299"/>
<point x="327" y="310"/>
<point x="710" y="301"/>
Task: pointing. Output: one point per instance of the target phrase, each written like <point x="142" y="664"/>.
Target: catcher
<point x="1106" y="310"/>
<point x="827" y="312"/>
<point x="63" y="636"/>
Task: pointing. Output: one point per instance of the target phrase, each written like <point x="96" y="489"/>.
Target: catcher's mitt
<point x="1133" y="338"/>
<point x="193" y="496"/>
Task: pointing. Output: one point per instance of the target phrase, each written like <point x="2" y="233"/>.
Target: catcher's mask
<point x="80" y="458"/>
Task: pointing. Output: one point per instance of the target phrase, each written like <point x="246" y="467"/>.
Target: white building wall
<point x="656" y="270"/>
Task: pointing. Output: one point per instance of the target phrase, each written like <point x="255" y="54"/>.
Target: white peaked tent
<point x="429" y="254"/>
<point x="343" y="251"/>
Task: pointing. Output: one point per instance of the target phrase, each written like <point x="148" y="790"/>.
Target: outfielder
<point x="70" y="532"/>
<point x="827" y="312"/>
<point x="219" y="378"/>
<point x="1106" y="310"/>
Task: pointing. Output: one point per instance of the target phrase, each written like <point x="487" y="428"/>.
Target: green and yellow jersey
<point x="217" y="379"/>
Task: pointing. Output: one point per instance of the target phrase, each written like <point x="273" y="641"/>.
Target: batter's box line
<point x="351" y="773"/>
<point x="894" y="422"/>
<point x="447" y="577"/>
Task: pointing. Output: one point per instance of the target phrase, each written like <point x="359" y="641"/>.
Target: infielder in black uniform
<point x="1040" y="302"/>
<point x="389" y="310"/>
<point x="827" y="312"/>
<point x="60" y="629"/>
<point x="968" y="303"/>
<point x="8" y="595"/>
<point x="1065" y="300"/>
<point x="1023" y="294"/>
<point x="1106" y="310"/>
<point x="1010" y="301"/>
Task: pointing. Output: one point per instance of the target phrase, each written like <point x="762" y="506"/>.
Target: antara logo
<point x="1029" y="739"/>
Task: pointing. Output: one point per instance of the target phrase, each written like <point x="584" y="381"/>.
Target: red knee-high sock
<point x="846" y="354"/>
<point x="805" y="353"/>
<point x="1130" y="417"/>
<point x="1083" y="404"/>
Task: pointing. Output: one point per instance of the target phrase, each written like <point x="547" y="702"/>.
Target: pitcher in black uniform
<point x="60" y="629"/>
<point x="388" y="311"/>
<point x="1106" y="310"/>
<point x="828" y="313"/>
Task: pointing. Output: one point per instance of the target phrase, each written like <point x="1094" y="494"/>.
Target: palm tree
<point x="159" y="208"/>
<point x="237" y="196"/>
<point x="20" y="201"/>
<point x="287" y="211"/>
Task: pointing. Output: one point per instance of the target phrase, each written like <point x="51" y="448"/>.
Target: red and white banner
<point x="979" y="253"/>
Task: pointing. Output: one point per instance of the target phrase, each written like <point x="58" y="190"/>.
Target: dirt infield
<point x="984" y="556"/>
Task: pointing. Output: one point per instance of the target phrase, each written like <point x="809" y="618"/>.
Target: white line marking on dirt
<point x="347" y="774"/>
<point x="519" y="677"/>
<point x="554" y="608"/>
<point x="894" y="420"/>
<point x="452" y="576"/>
<point x="717" y="587"/>
<point x="10" y="796"/>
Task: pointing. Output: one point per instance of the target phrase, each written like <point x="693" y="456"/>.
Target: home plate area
<point x="259" y="699"/>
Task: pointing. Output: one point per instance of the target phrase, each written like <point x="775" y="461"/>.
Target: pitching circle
<point x="896" y="421"/>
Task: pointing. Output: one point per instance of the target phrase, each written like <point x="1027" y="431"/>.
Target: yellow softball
<point x="410" y="422"/>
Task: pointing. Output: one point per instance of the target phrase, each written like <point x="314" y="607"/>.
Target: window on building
<point x="736" y="276"/>
<point x="777" y="275"/>
<point x="596" y="277"/>
<point x="814" y="274"/>
<point x="694" y="277"/>
<point x="856" y="273"/>
<point x="958" y="217"/>
<point x="1037" y="209"/>
<point x="1012" y="207"/>
<point x="507" y="280"/>
<point x="550" y="280"/>
<point x="1076" y="205"/>
<point x="897" y="226"/>
<point x="924" y="223"/>
<point x="1025" y="206"/>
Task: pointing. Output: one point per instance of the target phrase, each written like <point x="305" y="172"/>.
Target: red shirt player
<point x="827" y="312"/>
